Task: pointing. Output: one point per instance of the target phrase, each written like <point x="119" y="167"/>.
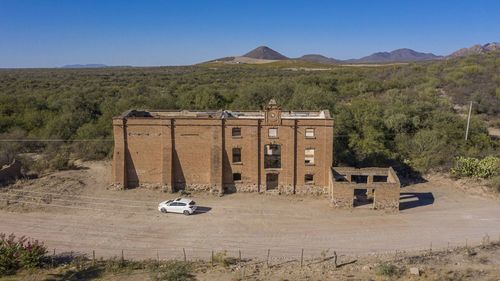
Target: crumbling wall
<point x="343" y="183"/>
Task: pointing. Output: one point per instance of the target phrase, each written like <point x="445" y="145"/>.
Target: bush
<point x="222" y="259"/>
<point x="387" y="269"/>
<point x="19" y="253"/>
<point x="473" y="167"/>
<point x="174" y="271"/>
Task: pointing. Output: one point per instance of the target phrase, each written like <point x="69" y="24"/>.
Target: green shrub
<point x="477" y="168"/>
<point x="8" y="254"/>
<point x="222" y="259"/>
<point x="174" y="271"/>
<point x="19" y="253"/>
<point x="387" y="269"/>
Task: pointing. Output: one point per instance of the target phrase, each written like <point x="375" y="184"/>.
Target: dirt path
<point x="108" y="221"/>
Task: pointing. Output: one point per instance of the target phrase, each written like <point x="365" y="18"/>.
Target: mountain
<point x="95" y="65"/>
<point x="318" y="59"/>
<point x="399" y="55"/>
<point x="264" y="53"/>
<point x="476" y="49"/>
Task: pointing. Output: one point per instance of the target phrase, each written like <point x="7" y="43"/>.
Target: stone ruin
<point x="376" y="188"/>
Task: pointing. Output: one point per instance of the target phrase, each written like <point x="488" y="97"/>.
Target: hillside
<point x="318" y="59"/>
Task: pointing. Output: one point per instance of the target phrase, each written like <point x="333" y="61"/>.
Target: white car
<point x="184" y="206"/>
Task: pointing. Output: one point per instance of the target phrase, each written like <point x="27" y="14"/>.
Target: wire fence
<point x="266" y="255"/>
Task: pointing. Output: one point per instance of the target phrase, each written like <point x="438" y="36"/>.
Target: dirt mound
<point x="60" y="188"/>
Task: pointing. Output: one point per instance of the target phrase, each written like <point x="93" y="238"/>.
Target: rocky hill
<point x="264" y="53"/>
<point x="476" y="49"/>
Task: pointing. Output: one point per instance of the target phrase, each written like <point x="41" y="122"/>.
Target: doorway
<point x="363" y="197"/>
<point x="271" y="181"/>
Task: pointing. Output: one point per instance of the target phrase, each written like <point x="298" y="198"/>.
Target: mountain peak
<point x="265" y="53"/>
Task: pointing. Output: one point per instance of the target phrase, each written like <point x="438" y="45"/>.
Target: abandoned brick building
<point x="270" y="150"/>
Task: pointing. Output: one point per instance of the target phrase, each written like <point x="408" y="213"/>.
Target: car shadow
<point x="415" y="199"/>
<point x="201" y="210"/>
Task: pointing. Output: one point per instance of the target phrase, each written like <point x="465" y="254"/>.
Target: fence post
<point x="239" y="255"/>
<point x="267" y="260"/>
<point x="53" y="256"/>
<point x="212" y="258"/>
<point x="93" y="257"/>
<point x="123" y="259"/>
<point x="301" y="257"/>
<point x="335" y="258"/>
<point x="184" y="251"/>
<point x="157" y="258"/>
<point x="430" y="249"/>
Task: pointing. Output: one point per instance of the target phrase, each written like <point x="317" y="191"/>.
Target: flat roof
<point x="222" y="114"/>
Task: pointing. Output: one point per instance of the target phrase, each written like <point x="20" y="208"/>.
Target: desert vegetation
<point x="402" y="115"/>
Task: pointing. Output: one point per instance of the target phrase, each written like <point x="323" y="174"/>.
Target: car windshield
<point x="192" y="203"/>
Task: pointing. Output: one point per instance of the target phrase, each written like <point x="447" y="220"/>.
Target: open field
<point x="74" y="211"/>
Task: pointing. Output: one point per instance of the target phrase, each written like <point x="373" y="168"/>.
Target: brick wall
<point x="196" y="153"/>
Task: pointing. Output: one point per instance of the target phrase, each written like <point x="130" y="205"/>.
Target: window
<point x="236" y="176"/>
<point x="359" y="179"/>
<point x="236" y="132"/>
<point x="309" y="156"/>
<point x="309" y="178"/>
<point x="272" y="156"/>
<point x="310" y="133"/>
<point x="181" y="204"/>
<point x="236" y="155"/>
<point x="273" y="132"/>
<point x="379" y="178"/>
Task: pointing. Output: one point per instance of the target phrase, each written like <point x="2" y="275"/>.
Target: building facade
<point x="224" y="151"/>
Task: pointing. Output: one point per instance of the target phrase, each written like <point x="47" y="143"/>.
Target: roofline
<point x="127" y="114"/>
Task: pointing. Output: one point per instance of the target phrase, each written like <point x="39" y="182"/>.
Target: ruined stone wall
<point x="386" y="197"/>
<point x="386" y="194"/>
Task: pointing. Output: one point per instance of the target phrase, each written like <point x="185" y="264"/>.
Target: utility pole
<point x="468" y="122"/>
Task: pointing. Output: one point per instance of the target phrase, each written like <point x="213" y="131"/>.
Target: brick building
<point x="270" y="150"/>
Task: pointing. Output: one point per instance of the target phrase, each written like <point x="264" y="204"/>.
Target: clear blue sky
<point x="51" y="33"/>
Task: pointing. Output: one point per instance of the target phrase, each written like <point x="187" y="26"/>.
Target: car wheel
<point x="186" y="213"/>
<point x="163" y="210"/>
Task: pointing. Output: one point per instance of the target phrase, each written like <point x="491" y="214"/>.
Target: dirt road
<point x="108" y="221"/>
